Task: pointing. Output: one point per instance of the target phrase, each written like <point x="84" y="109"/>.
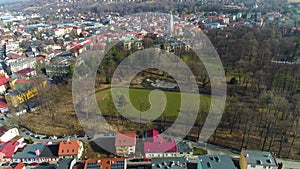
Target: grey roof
<point x="50" y="151"/>
<point x="64" y="163"/>
<point x="260" y="158"/>
<point x="183" y="147"/>
<point x="29" y="151"/>
<point x="171" y="163"/>
<point x="216" y="162"/>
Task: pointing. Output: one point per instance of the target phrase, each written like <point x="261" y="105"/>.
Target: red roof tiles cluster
<point x="157" y="144"/>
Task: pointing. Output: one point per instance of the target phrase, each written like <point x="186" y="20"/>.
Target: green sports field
<point x="140" y="100"/>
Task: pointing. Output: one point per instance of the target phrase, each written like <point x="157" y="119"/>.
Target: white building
<point x="10" y="134"/>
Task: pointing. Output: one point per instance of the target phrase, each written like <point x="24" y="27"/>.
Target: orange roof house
<point x="70" y="148"/>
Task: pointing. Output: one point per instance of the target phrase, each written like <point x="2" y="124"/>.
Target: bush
<point x="30" y="141"/>
<point x="199" y="151"/>
<point x="233" y="81"/>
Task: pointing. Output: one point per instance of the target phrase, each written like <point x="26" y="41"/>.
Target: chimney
<point x="37" y="152"/>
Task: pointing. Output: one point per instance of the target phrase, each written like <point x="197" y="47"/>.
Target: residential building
<point x="171" y="163"/>
<point x="158" y="146"/>
<point x="70" y="149"/>
<point x="131" y="42"/>
<point x="257" y="159"/>
<point x="215" y="162"/>
<point x="9" y="134"/>
<point x="27" y="89"/>
<point x="125" y="143"/>
<point x="4" y="84"/>
<point x="106" y="163"/>
<point x="7" y="150"/>
<point x="3" y="51"/>
<point x="23" y="63"/>
<point x="59" y="66"/>
<point x="37" y="153"/>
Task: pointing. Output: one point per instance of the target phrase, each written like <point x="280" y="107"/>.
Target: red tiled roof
<point x="69" y="147"/>
<point x="160" y="147"/>
<point x="127" y="138"/>
<point x="8" y="148"/>
<point x="15" y="56"/>
<point x="3" y="104"/>
<point x="4" y="81"/>
<point x="24" y="81"/>
<point x="24" y="71"/>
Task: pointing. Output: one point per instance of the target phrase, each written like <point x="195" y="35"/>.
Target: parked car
<point x="46" y="137"/>
<point x="34" y="164"/>
<point x="37" y="137"/>
<point x="44" y="163"/>
<point x="60" y="137"/>
<point x="13" y="164"/>
<point x="5" y="164"/>
<point x="80" y="136"/>
<point x="89" y="137"/>
<point x="53" y="137"/>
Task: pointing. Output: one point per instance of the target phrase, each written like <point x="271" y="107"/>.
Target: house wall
<point x="184" y="154"/>
<point x="4" y="159"/>
<point x="199" y="165"/>
<point x="35" y="160"/>
<point x="243" y="161"/>
<point x="125" y="150"/>
<point x="23" y="64"/>
<point x="131" y="149"/>
<point x="2" y="89"/>
<point x="152" y="155"/>
<point x="80" y="150"/>
<point x="259" y="167"/>
<point x="10" y="134"/>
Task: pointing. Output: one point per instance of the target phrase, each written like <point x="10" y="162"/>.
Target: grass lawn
<point x="140" y="100"/>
